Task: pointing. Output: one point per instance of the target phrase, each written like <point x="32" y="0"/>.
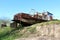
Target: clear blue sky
<point x="8" y="8"/>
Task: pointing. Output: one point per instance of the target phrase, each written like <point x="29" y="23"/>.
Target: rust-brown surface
<point x="21" y="16"/>
<point x="27" y="19"/>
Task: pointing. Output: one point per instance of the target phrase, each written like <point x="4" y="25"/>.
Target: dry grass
<point x="40" y="31"/>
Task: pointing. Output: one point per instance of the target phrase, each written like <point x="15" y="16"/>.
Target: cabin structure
<point x="47" y="15"/>
<point x="27" y="19"/>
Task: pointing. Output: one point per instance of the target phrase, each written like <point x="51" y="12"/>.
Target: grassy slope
<point x="11" y="34"/>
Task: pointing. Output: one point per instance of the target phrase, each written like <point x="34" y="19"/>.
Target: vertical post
<point x="20" y="24"/>
<point x="15" y="24"/>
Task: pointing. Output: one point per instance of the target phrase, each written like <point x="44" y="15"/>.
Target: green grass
<point x="4" y="31"/>
<point x="8" y="33"/>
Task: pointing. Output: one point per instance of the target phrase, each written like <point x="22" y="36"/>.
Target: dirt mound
<point x="49" y="31"/>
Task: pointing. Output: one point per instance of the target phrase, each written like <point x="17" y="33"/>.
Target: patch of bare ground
<point x="43" y="32"/>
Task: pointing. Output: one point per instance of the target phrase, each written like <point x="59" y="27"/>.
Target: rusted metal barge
<point x="27" y="19"/>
